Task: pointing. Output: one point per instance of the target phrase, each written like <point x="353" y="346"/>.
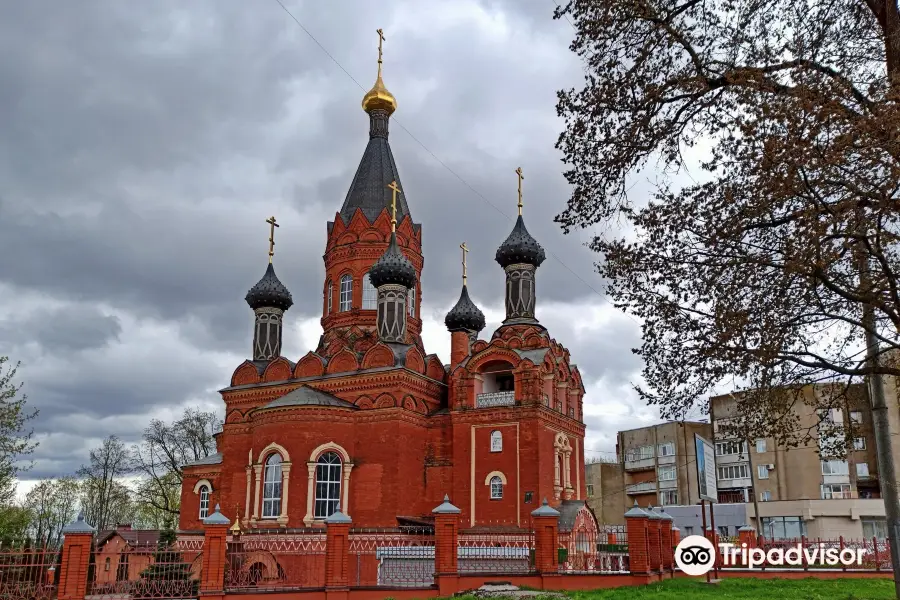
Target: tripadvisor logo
<point x="695" y="555"/>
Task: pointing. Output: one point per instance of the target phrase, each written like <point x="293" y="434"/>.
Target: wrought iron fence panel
<point x="274" y="562"/>
<point x="28" y="573"/>
<point x="488" y="552"/>
<point x="394" y="557"/>
<point x="146" y="571"/>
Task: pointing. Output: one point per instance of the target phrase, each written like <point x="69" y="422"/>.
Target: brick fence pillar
<point x="446" y="544"/>
<point x="713" y="536"/>
<point x="546" y="540"/>
<point x="638" y="544"/>
<point x="337" y="554"/>
<point x="75" y="559"/>
<point x="676" y="536"/>
<point x="212" y="575"/>
<point x="665" y="531"/>
<point x="747" y="535"/>
<point x="655" y="547"/>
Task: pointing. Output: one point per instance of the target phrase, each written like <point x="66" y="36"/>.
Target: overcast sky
<point x="144" y="144"/>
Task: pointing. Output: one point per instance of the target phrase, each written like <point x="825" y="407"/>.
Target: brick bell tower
<point x="362" y="231"/>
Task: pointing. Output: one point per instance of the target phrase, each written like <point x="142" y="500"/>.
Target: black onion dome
<point x="269" y="292"/>
<point x="465" y="315"/>
<point x="520" y="247"/>
<point x="393" y="267"/>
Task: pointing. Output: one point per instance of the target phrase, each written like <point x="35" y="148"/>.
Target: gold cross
<point x="394" y="191"/>
<point x="272" y="226"/>
<point x="465" y="250"/>
<point x="380" y="40"/>
<point x="521" y="177"/>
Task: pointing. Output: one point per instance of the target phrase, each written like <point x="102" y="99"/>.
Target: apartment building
<point x="659" y="463"/>
<point x="606" y="491"/>
<point x="801" y="491"/>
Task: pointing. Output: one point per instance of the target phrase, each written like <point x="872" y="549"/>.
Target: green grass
<point x="747" y="589"/>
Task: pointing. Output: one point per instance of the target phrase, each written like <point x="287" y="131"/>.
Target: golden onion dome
<point x="379" y="97"/>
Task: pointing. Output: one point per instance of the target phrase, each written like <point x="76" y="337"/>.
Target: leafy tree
<point x="14" y="524"/>
<point x="105" y="500"/>
<point x="169" y="575"/>
<point x="758" y="267"/>
<point x="52" y="504"/>
<point x="163" y="452"/>
<point x="15" y="439"/>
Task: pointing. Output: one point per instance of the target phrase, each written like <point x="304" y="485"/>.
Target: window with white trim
<point x="856" y="417"/>
<point x="496" y="441"/>
<point x="640" y="453"/>
<point x="862" y="469"/>
<point x="738" y="471"/>
<point x="370" y="294"/>
<point x="412" y="301"/>
<point x="760" y="445"/>
<point x="203" y="492"/>
<point x="730" y="447"/>
<point x="765" y="496"/>
<point x="666" y="473"/>
<point x="346" y="299"/>
<point x="762" y="471"/>
<point x="271" y="508"/>
<point x="836" y="491"/>
<point x="496" y="488"/>
<point x="667" y="449"/>
<point x="835" y="467"/>
<point x="859" y="443"/>
<point x="668" y="497"/>
<point x="328" y="485"/>
<point x="328" y="307"/>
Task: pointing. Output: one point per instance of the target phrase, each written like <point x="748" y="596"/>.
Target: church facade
<point x="370" y="423"/>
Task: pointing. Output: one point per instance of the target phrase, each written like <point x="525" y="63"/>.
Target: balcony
<point x="491" y="399"/>
<point x="640" y="464"/>
<point x="641" y="488"/>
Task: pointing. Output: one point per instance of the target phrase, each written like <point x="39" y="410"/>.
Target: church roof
<point x="269" y="292"/>
<point x="393" y="267"/>
<point x="520" y="247"/>
<point x="212" y="459"/>
<point x="369" y="189"/>
<point x="308" y="396"/>
<point x="465" y="314"/>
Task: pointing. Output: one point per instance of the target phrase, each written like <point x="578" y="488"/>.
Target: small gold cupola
<point x="379" y="97"/>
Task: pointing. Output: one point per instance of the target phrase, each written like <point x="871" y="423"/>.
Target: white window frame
<point x="327" y="465"/>
<point x="272" y="486"/>
<point x="731" y="448"/>
<point x="859" y="443"/>
<point x="666" y="473"/>
<point x="765" y="496"/>
<point x="639" y="453"/>
<point x="346" y="295"/>
<point x="760" y="445"/>
<point x="412" y="301"/>
<point x="370" y="294"/>
<point x="496" y="441"/>
<point x="203" y="492"/>
<point x="835" y="467"/>
<point x="864" y="471"/>
<point x="856" y="417"/>
<point x="666" y="449"/>
<point x="496" y="488"/>
<point x="762" y="471"/>
<point x="735" y="471"/>
<point x="330" y="292"/>
<point x="668" y="497"/>
<point x="836" y="491"/>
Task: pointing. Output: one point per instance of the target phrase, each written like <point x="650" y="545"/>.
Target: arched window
<point x="330" y="293"/>
<point x="496" y="488"/>
<point x="346" y="293"/>
<point x="272" y="488"/>
<point x="370" y="294"/>
<point x="412" y="301"/>
<point x="496" y="441"/>
<point x="106" y="564"/>
<point x="328" y="485"/>
<point x="204" y="501"/>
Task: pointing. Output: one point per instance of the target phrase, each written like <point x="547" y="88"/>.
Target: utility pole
<point x="887" y="473"/>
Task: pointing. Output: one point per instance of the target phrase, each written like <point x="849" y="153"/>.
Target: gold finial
<point x="394" y="191"/>
<point x="272" y="226"/>
<point x="521" y="177"/>
<point x="236" y="528"/>
<point x="465" y="250"/>
<point x="379" y="96"/>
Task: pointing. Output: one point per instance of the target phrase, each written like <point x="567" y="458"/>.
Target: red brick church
<point x="370" y="423"/>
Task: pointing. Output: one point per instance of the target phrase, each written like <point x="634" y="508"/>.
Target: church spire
<point x="269" y="299"/>
<point x="377" y="169"/>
